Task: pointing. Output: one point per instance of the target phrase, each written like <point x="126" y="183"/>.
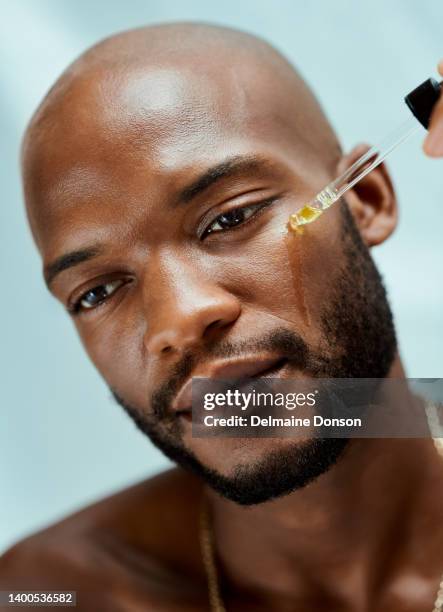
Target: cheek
<point x="286" y="275"/>
<point x="317" y="259"/>
<point x="258" y="273"/>
<point x="114" y="344"/>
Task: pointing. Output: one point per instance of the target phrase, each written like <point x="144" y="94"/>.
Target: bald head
<point x="167" y="83"/>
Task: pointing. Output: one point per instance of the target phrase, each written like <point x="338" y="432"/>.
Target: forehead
<point x="137" y="134"/>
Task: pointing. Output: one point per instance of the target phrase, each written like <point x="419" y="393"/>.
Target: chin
<point x="227" y="455"/>
<point x="252" y="471"/>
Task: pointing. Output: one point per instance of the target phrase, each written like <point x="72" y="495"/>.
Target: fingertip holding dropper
<point x="421" y="102"/>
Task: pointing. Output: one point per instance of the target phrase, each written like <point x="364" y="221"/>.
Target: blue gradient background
<point x="63" y="442"/>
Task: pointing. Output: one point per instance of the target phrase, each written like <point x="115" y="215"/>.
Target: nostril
<point x="215" y="324"/>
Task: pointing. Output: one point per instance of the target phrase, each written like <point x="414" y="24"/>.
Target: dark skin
<point x="108" y="163"/>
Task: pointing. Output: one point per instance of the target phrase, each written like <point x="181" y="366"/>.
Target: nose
<point x="188" y="311"/>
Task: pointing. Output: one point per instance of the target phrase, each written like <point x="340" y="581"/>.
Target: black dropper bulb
<point x="422" y="100"/>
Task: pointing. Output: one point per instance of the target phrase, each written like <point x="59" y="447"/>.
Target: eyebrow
<point x="69" y="260"/>
<point x="225" y="169"/>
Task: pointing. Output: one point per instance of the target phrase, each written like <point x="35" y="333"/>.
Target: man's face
<point x="160" y="204"/>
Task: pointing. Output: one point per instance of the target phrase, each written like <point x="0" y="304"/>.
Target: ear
<point x="372" y="200"/>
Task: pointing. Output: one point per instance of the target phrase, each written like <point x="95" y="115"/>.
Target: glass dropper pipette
<point x="421" y="102"/>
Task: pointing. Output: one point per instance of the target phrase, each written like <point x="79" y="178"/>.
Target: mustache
<point x="284" y="342"/>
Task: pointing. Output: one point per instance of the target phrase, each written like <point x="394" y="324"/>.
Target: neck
<point x="341" y="525"/>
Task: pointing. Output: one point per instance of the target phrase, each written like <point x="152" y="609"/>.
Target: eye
<point x="97" y="295"/>
<point x="233" y="218"/>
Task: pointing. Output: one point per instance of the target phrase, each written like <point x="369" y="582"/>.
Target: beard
<point x="357" y="322"/>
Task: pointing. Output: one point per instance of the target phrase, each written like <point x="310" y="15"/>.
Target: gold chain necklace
<point x="208" y="554"/>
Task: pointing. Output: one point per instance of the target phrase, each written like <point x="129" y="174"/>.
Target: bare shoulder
<point x="141" y="544"/>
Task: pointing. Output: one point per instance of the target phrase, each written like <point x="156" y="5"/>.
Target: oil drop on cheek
<point x="294" y="249"/>
<point x="306" y="214"/>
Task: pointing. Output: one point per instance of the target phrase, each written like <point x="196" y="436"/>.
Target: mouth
<point x="271" y="367"/>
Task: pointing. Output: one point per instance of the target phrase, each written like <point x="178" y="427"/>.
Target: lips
<point x="244" y="368"/>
